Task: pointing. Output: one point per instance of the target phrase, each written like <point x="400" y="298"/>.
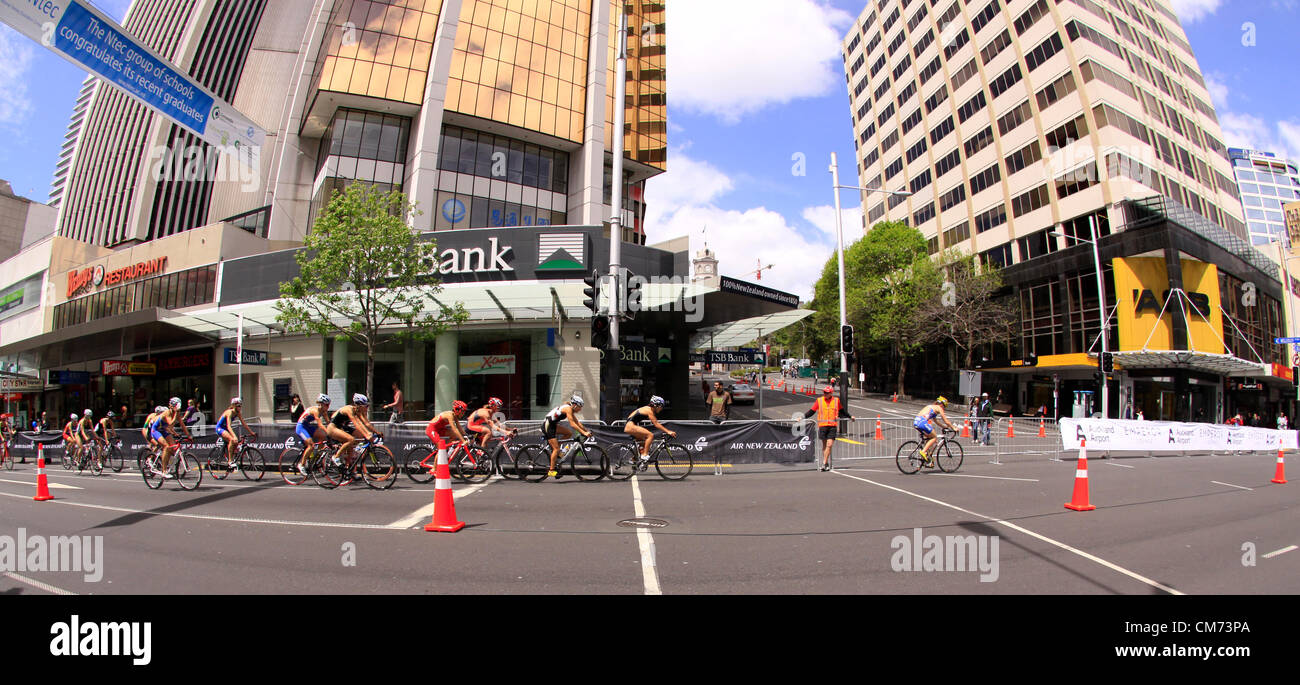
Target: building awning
<point x="1222" y="364"/>
<point x="737" y="333"/>
<point x="110" y="336"/>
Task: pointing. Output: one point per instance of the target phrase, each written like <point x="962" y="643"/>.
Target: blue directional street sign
<point x="1286" y="341"/>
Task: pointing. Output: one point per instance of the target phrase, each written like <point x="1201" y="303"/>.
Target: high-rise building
<point x="1266" y="183"/>
<point x="487" y="113"/>
<point x="1291" y="212"/>
<point x="1020" y="127"/>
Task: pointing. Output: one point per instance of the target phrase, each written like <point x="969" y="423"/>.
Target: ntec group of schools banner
<point x="1169" y="436"/>
<point x="89" y="39"/>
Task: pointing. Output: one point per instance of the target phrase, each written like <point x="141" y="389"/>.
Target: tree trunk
<point x="370" y="374"/>
<point x="902" y="366"/>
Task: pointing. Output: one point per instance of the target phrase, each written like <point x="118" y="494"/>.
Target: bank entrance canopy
<point x="1221" y="364"/>
<point x="737" y="333"/>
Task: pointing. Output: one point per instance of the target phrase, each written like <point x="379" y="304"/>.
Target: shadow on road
<point x="136" y="517"/>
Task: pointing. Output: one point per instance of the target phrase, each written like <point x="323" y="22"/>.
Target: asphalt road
<point x="1163" y="525"/>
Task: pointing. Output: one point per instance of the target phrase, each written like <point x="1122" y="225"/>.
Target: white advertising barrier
<point x="91" y="40"/>
<point x="1169" y="436"/>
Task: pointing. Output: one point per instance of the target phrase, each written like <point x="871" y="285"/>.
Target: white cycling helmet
<point x="236" y="402"/>
<point x="159" y="409"/>
<point x="72" y="417"/>
<point x="656" y="401"/>
<point x="174" y="402"/>
<point x="576" y="399"/>
<point x="360" y="399"/>
<point x="322" y="399"/>
<point x="88" y="412"/>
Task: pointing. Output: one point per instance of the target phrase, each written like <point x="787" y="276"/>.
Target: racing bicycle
<point x="247" y="459"/>
<point x="185" y="469"/>
<point x="588" y="461"/>
<point x="671" y="459"/>
<point x="371" y="461"/>
<point x="947" y="454"/>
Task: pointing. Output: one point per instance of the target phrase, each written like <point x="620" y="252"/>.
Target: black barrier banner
<point x="737" y="443"/>
<point x="741" y="443"/>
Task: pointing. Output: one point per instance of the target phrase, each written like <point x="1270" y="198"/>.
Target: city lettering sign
<point x="9" y="384"/>
<point x="474" y="260"/>
<point x="1146" y="300"/>
<point x="114" y="367"/>
<point x="88" y="38"/>
<point x="251" y="357"/>
<point x="737" y="357"/>
<point x="81" y="280"/>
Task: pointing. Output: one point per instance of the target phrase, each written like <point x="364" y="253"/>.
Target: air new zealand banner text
<point x="1168" y="436"/>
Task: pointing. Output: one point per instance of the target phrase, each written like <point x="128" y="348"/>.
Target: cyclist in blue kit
<point x="922" y="425"/>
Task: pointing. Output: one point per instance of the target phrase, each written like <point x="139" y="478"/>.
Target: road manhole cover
<point x="643" y="523"/>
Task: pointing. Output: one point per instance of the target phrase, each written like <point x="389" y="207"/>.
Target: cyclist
<point x="552" y="430"/>
<point x="350" y="423"/>
<point x="85" y="433"/>
<point x="225" y="428"/>
<point x="104" y="431"/>
<point x="163" y="432"/>
<point x="311" y="424"/>
<point x="69" y="441"/>
<point x="829" y="412"/>
<point x="447" y="425"/>
<point x="481" y="422"/>
<point x="148" y="425"/>
<point x="922" y="425"/>
<point x="650" y="413"/>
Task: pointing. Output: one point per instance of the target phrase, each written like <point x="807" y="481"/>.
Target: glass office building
<point x="1267" y="183"/>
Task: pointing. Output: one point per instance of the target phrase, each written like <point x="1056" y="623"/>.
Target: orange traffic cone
<point x="1011" y="427"/>
<point x="1042" y="428"/>
<point x="879" y="434"/>
<point x="894" y="398"/>
<point x="965" y="428"/>
<point x="42" y="483"/>
<point x="444" y="504"/>
<point x="1280" y="476"/>
<point x="1080" y="500"/>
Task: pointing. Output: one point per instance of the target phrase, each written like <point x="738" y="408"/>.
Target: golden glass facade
<point x="524" y="63"/>
<point x="378" y="48"/>
<point x="646" y="128"/>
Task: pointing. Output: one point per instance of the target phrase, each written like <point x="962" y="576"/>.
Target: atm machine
<point x="1082" y="404"/>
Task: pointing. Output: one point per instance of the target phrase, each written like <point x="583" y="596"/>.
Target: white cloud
<point x="729" y="58"/>
<point x="1190" y="11"/>
<point x="1218" y="91"/>
<point x="824" y="218"/>
<point x="1249" y="131"/>
<point x="683" y="201"/>
<point x="16" y="55"/>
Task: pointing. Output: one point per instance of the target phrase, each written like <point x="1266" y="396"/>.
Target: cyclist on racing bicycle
<point x="650" y="413"/>
<point x="225" y="428"/>
<point x="481" y="422"/>
<point x="922" y="425"/>
<point x="311" y="424"/>
<point x="148" y="425"/>
<point x="85" y="432"/>
<point x="446" y="425"/>
<point x="162" y="430"/>
<point x="350" y="425"/>
<point x="104" y="431"/>
<point x="552" y="431"/>
<point x="69" y="442"/>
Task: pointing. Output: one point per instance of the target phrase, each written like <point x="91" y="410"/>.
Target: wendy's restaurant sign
<point x="487" y="365"/>
<point x="114" y="367"/>
<point x="92" y="277"/>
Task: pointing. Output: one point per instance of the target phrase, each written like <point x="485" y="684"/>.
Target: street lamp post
<point x="1101" y="311"/>
<point x="839" y="236"/>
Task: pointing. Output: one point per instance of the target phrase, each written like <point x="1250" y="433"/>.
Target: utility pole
<point x="613" y="361"/>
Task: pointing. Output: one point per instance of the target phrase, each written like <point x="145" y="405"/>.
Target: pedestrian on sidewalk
<point x="719" y="403"/>
<point x="984" y="422"/>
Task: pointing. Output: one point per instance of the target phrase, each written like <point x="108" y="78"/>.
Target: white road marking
<point x="32" y="483"/>
<point x="209" y="517"/>
<point x="1239" y="487"/>
<point x="649" y="574"/>
<point x="37" y="584"/>
<point x="426" y="512"/>
<point x="1284" y="550"/>
<point x="1123" y="466"/>
<point x="1030" y="533"/>
<point x="967" y="475"/>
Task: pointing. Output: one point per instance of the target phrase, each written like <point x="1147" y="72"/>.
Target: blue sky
<point x="757" y="95"/>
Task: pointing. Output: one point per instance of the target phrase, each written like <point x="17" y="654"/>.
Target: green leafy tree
<point x="365" y="269"/>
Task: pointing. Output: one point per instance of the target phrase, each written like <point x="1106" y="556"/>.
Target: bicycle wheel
<point x="252" y="464"/>
<point x="69" y="456"/>
<point x="949" y="456"/>
<point x="115" y="459"/>
<point x="288" y="465"/>
<point x="188" y="470"/>
<point x="674" y="462"/>
<point x="151" y="479"/>
<point x="216" y="462"/>
<point x="96" y="460"/>
<point x="908" y="458"/>
<point x="590" y="463"/>
<point x="326" y="473"/>
<point x="414" y="470"/>
<point x="142" y="458"/>
<point x="474" y="466"/>
<point x="532" y="463"/>
<point x="8" y="458"/>
<point x="379" y="467"/>
<point x="505" y="461"/>
<point x="623" y="464"/>
<point x="454" y="458"/>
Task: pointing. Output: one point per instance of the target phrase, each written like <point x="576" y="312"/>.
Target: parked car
<point x="742" y="393"/>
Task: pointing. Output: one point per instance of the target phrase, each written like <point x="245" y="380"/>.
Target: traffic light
<point x="846" y="338"/>
<point x="1107" y="362"/>
<point x="600" y="332"/>
<point x="592" y="291"/>
<point x="1097" y="378"/>
<point x="1295" y="376"/>
<point x="632" y="298"/>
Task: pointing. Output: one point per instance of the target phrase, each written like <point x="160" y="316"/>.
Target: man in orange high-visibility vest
<point x="829" y="412"/>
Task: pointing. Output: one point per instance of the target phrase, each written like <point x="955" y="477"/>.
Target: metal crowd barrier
<point x="1006" y="436"/>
